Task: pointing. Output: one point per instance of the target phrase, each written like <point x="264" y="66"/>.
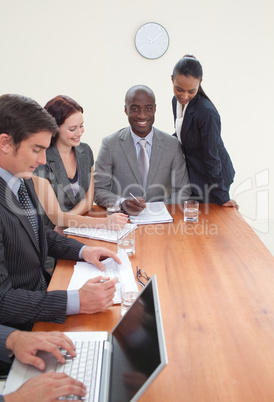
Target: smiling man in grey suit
<point x="120" y="171"/>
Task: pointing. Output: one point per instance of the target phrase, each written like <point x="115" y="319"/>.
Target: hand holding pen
<point x="134" y="205"/>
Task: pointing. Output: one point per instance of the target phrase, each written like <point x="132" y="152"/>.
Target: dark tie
<point x="24" y="201"/>
<point x="143" y="160"/>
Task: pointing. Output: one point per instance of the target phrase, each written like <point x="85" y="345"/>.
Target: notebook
<point x="129" y="359"/>
<point x="155" y="212"/>
<point x="101" y="234"/>
<point x="83" y="271"/>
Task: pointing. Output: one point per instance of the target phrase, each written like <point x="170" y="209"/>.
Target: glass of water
<point x="126" y="242"/>
<point x="129" y="293"/>
<point x="191" y="211"/>
<point x="112" y="208"/>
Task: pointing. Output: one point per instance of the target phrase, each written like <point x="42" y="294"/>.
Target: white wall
<point x="85" y="49"/>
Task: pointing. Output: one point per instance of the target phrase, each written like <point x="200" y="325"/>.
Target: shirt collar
<point x="136" y="138"/>
<point x="12" y="181"/>
<point x="180" y="111"/>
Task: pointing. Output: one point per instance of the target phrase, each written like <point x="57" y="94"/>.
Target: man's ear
<point x="125" y="110"/>
<point x="5" y="142"/>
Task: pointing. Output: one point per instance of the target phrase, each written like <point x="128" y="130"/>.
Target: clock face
<point x="151" y="40"/>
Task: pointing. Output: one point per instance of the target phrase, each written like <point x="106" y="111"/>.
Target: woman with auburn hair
<point x="198" y="128"/>
<point x="65" y="184"/>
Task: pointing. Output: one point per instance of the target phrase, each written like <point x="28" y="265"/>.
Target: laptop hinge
<point x="106" y="372"/>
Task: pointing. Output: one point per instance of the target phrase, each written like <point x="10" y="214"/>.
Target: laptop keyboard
<point x="83" y="367"/>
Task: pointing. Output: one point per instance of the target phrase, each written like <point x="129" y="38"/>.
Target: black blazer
<point x="22" y="300"/>
<point x="209" y="166"/>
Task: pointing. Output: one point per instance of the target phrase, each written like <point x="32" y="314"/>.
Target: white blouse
<point x="180" y="112"/>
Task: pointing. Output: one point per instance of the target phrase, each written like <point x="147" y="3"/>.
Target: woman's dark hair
<point x="190" y="66"/>
<point x="61" y="107"/>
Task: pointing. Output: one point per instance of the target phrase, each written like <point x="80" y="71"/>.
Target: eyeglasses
<point x="141" y="274"/>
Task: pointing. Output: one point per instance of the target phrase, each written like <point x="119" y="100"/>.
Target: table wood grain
<point x="216" y="285"/>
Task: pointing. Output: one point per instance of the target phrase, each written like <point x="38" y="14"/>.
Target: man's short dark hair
<point x="20" y="117"/>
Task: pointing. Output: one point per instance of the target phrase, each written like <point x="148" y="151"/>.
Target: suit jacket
<point x="4" y="333"/>
<point x="117" y="171"/>
<point x="22" y="298"/>
<point x="209" y="166"/>
<point x="55" y="172"/>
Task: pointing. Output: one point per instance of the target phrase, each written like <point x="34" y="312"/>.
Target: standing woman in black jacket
<point x="198" y="128"/>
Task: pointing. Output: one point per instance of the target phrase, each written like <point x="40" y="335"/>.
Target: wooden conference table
<point x="216" y="286"/>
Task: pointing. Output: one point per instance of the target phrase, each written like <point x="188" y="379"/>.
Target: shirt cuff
<point x="73" y="302"/>
<point x="119" y="202"/>
<point x="81" y="251"/>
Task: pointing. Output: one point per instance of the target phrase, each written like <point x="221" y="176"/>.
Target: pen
<point x="105" y="280"/>
<point x="136" y="199"/>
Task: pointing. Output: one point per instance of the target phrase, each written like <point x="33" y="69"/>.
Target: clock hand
<point x="156" y="38"/>
<point x="148" y="38"/>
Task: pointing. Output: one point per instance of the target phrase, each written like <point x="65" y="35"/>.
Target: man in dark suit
<point x="25" y="133"/>
<point x="118" y="170"/>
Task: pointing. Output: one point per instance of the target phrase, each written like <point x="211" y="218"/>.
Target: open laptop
<point x="128" y="360"/>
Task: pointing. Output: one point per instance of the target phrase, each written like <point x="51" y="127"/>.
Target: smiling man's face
<point x="140" y="108"/>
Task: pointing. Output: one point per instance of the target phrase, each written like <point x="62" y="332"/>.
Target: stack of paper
<point x="155" y="212"/>
<point x="101" y="234"/>
<point x="83" y="271"/>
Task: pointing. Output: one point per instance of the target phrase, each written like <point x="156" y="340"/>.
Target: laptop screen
<point x="138" y="347"/>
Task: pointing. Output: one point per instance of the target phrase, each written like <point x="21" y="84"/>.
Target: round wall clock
<point x="151" y="40"/>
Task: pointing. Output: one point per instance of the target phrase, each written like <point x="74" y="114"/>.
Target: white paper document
<point x="101" y="234"/>
<point x="155" y="212"/>
<point x="83" y="271"/>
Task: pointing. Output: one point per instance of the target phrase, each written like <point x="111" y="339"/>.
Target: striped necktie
<point x="143" y="160"/>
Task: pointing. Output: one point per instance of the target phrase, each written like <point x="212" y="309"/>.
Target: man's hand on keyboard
<point x="94" y="255"/>
<point x="47" y="387"/>
<point x="25" y="345"/>
<point x="96" y="296"/>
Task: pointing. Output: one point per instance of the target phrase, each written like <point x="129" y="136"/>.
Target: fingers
<point x="36" y="362"/>
<point x="69" y="386"/>
<point x="120" y="215"/>
<point x="64" y="385"/>
<point x="96" y="296"/>
<point x="231" y="203"/>
<point x="94" y="255"/>
<point x="117" y="221"/>
<point x="68" y="345"/>
<point x="123" y="215"/>
<point x="49" y="387"/>
<point x="46" y="341"/>
<point x="134" y="206"/>
<point x="105" y="282"/>
<point x="106" y="253"/>
<point x="116" y="258"/>
<point x="235" y="205"/>
<point x="65" y="343"/>
<point x="110" y="284"/>
<point x="109" y="289"/>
